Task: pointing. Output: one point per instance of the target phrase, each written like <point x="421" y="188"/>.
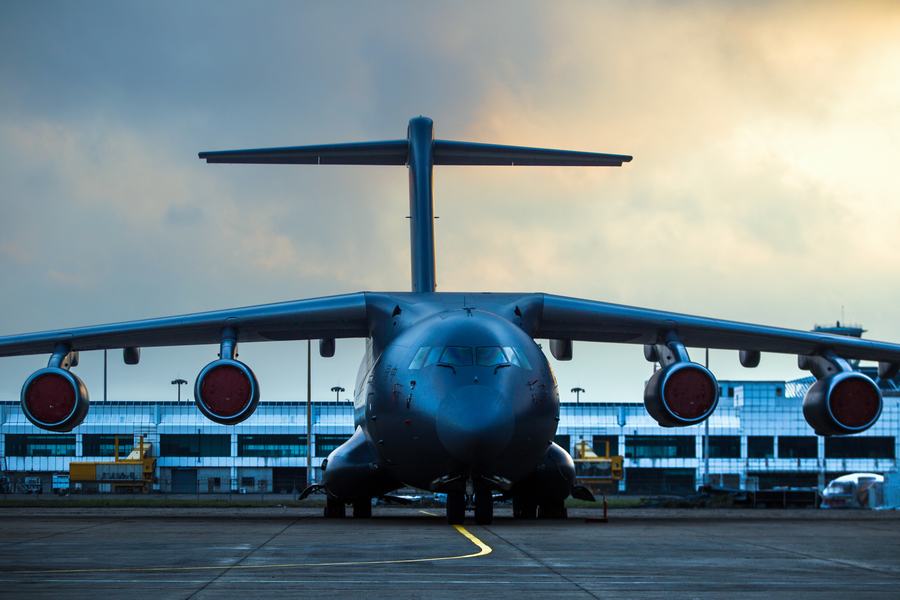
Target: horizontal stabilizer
<point x="448" y="152"/>
<point x="391" y="152"/>
<point x="396" y="152"/>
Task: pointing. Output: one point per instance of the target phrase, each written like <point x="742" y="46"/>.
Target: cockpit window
<point x="490" y="356"/>
<point x="516" y="357"/>
<point x="461" y="356"/>
<point x="419" y="359"/>
<point x="425" y="357"/>
<point x="433" y="356"/>
<point x="458" y="356"/>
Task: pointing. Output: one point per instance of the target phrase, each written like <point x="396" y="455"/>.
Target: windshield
<point x="458" y="356"/>
<point x="466" y="356"/>
<point x="490" y="356"/>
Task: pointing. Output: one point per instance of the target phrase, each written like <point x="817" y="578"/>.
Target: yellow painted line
<point x="483" y="550"/>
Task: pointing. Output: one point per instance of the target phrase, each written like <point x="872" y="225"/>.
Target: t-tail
<point x="419" y="152"/>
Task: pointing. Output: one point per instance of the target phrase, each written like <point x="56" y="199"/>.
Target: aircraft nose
<point x="475" y="423"/>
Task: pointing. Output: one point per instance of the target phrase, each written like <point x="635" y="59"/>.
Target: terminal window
<point x="104" y="444"/>
<point x="660" y="446"/>
<point x="859" y="447"/>
<point x="40" y="445"/>
<point x="272" y="445"/>
<point x="760" y="446"/>
<point x="325" y="443"/>
<point x="600" y="444"/>
<point x="724" y="446"/>
<point x="798" y="447"/>
<point x="194" y="445"/>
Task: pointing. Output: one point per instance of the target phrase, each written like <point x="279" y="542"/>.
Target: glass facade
<point x="859" y="447"/>
<point x="272" y="445"/>
<point x="760" y="446"/>
<point x="194" y="445"/>
<point x="798" y="447"/>
<point x="660" y="446"/>
<point x="599" y="442"/>
<point x="326" y="442"/>
<point x="724" y="446"/>
<point x="104" y="444"/>
<point x="40" y="444"/>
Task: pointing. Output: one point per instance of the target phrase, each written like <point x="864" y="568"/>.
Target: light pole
<point x="577" y="391"/>
<point x="337" y="392"/>
<point x="179" y="383"/>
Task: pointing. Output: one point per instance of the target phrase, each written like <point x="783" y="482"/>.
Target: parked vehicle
<point x="856" y="490"/>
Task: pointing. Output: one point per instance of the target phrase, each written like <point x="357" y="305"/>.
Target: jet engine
<point x="846" y="402"/>
<point x="842" y="400"/>
<point x="55" y="399"/>
<point x="682" y="392"/>
<point x="226" y="391"/>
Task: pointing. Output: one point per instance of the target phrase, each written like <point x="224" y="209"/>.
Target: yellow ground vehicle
<point x="600" y="474"/>
<point x="134" y="473"/>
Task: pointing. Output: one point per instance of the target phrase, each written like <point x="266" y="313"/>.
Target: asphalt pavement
<point x="412" y="553"/>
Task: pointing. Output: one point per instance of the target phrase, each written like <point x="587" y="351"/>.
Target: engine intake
<point x="681" y="394"/>
<point x="55" y="399"/>
<point x="226" y="391"/>
<point x="843" y="403"/>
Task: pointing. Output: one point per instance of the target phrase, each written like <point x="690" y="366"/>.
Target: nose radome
<point x="475" y="423"/>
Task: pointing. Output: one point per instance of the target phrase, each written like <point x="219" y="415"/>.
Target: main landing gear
<point x="336" y="508"/>
<point x="528" y="508"/>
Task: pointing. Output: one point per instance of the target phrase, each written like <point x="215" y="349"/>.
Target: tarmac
<point x="412" y="553"/>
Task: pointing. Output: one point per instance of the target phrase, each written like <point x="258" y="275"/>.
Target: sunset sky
<point x="764" y="186"/>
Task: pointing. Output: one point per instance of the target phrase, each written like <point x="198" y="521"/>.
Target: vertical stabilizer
<point x="419" y="152"/>
<point x="421" y="203"/>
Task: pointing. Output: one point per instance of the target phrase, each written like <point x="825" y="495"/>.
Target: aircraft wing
<point x="341" y="316"/>
<point x="588" y="320"/>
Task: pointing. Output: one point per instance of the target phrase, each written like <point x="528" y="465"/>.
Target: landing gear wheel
<point x="484" y="505"/>
<point x="362" y="509"/>
<point x="524" y="508"/>
<point x="334" y="508"/>
<point x="553" y="509"/>
<point x="456" y="508"/>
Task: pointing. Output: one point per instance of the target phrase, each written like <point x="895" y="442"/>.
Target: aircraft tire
<point x="484" y="506"/>
<point x="553" y="509"/>
<point x="334" y="508"/>
<point x="362" y="509"/>
<point x="524" y="508"/>
<point x="456" y="508"/>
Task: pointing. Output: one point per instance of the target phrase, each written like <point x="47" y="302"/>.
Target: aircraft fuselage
<point x="455" y="394"/>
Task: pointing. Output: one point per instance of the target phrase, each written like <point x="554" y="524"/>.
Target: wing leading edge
<point x="588" y="320"/>
<point x="341" y="316"/>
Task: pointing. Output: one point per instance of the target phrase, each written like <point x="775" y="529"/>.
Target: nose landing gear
<point x="482" y="501"/>
<point x="456" y="507"/>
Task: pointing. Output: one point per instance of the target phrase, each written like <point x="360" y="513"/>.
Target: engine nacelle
<point x="226" y="391"/>
<point x="843" y="403"/>
<point x="55" y="399"/>
<point x="681" y="394"/>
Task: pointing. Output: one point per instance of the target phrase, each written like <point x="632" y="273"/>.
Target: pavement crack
<point x="64" y="532"/>
<point x="226" y="570"/>
<point x="543" y="563"/>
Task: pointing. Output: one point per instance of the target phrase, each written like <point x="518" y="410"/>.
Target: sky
<point x="766" y="139"/>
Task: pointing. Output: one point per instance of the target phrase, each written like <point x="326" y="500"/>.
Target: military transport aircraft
<point x="453" y="394"/>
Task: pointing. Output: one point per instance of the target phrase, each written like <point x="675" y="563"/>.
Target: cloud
<point x="764" y="137"/>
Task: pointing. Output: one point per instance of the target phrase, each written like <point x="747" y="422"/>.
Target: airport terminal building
<point x="756" y="439"/>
